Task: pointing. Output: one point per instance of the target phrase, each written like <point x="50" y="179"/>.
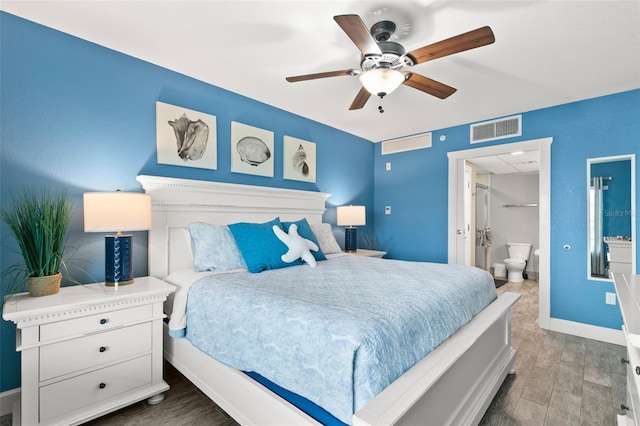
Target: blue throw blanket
<point x="337" y="334"/>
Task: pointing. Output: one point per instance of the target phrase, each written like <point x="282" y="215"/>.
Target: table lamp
<point x="351" y="216"/>
<point x="116" y="212"/>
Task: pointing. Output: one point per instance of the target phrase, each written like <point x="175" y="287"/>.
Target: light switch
<point x="610" y="298"/>
<point x="388" y="166"/>
<point x="387" y="210"/>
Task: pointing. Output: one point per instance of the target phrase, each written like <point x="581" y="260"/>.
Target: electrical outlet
<point x="387" y="210"/>
<point x="610" y="298"/>
<point x="388" y="166"/>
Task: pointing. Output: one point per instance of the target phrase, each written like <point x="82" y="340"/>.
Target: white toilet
<point x="517" y="260"/>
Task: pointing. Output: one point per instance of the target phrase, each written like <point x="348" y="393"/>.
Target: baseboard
<point x="7" y="399"/>
<point x="587" y="331"/>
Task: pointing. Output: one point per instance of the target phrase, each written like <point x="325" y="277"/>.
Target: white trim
<point x="456" y="160"/>
<point x="587" y="331"/>
<point x="7" y="399"/>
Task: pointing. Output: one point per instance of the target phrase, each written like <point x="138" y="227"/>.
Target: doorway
<point x="456" y="209"/>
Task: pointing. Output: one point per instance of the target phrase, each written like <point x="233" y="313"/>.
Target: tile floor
<point x="560" y="380"/>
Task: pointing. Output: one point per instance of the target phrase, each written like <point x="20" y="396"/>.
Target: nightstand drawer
<point x="90" y="389"/>
<point x="94" y="323"/>
<point x="66" y="357"/>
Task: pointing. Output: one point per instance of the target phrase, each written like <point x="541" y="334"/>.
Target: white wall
<point x="514" y="224"/>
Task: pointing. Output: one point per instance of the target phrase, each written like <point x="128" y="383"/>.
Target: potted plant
<point x="38" y="220"/>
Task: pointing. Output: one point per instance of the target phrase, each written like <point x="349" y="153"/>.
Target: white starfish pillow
<point x="299" y="248"/>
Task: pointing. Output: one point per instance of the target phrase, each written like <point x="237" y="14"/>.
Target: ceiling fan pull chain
<point x="380" y="106"/>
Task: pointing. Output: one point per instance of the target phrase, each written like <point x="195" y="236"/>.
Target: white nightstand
<point x="89" y="350"/>
<point x="369" y="253"/>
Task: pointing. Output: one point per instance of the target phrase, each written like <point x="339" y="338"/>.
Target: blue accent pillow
<point x="214" y="248"/>
<point x="259" y="246"/>
<point x="304" y="230"/>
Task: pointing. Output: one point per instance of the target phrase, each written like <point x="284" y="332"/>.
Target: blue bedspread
<point x="337" y="334"/>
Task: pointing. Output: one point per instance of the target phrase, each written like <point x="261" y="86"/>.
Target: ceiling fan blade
<point x="358" y="32"/>
<point x="320" y="75"/>
<point x="460" y="43"/>
<point x="429" y="86"/>
<point x="361" y="98"/>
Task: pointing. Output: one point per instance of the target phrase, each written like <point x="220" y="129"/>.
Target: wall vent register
<point x="496" y="129"/>
<point x="406" y="144"/>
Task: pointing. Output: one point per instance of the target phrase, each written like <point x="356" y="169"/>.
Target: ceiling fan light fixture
<point x="381" y="81"/>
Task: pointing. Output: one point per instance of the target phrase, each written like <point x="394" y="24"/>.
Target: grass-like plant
<point x="38" y="220"/>
<point x="370" y="241"/>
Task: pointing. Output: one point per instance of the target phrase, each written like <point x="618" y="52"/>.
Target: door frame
<point x="456" y="209"/>
<point x="469" y="215"/>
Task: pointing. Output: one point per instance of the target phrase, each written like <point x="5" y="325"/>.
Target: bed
<point x="453" y="384"/>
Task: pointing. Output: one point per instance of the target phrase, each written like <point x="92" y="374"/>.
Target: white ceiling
<point x="516" y="162"/>
<point x="546" y="52"/>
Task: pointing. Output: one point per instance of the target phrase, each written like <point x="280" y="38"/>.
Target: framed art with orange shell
<point x="299" y="159"/>
<point x="251" y="150"/>
<point x="185" y="137"/>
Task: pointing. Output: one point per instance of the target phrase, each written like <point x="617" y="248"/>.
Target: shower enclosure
<point x="483" y="233"/>
<point x="596" y="231"/>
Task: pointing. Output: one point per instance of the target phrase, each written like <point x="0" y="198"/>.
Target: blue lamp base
<point x="350" y="240"/>
<point x="118" y="261"/>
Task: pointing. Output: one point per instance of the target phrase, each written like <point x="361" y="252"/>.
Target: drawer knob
<point x="102" y="349"/>
<point x="624" y="407"/>
<point x="624" y="361"/>
<point x="638" y="370"/>
<point x="103" y="321"/>
<point x="102" y="386"/>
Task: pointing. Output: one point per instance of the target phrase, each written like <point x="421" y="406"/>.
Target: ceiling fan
<point x="382" y="61"/>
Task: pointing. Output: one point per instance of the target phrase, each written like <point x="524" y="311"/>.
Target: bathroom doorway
<point x="456" y="203"/>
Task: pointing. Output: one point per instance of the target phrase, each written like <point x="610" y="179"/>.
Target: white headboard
<point x="175" y="203"/>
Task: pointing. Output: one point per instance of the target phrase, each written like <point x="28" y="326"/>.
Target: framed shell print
<point x="251" y="150"/>
<point x="185" y="137"/>
<point x="299" y="159"/>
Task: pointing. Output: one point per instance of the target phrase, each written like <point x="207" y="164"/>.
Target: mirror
<point x="611" y="227"/>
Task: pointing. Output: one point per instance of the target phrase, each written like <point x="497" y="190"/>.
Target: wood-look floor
<point x="560" y="380"/>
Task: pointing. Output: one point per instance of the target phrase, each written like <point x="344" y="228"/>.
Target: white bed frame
<point x="454" y="384"/>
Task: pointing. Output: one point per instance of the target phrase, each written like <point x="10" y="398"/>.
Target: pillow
<point x="304" y="230"/>
<point x="259" y="246"/>
<point x="326" y="239"/>
<point x="214" y="248"/>
<point x="299" y="248"/>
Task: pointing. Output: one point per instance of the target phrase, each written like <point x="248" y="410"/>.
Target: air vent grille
<point x="406" y="144"/>
<point x="496" y="129"/>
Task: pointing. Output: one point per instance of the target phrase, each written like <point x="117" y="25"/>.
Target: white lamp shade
<point x="351" y="216"/>
<point x="381" y="80"/>
<point x="116" y="211"/>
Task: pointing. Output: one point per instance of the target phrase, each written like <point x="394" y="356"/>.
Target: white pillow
<point x="325" y="237"/>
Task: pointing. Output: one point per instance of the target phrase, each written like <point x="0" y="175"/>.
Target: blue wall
<point x="81" y="117"/>
<point x="417" y="189"/>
